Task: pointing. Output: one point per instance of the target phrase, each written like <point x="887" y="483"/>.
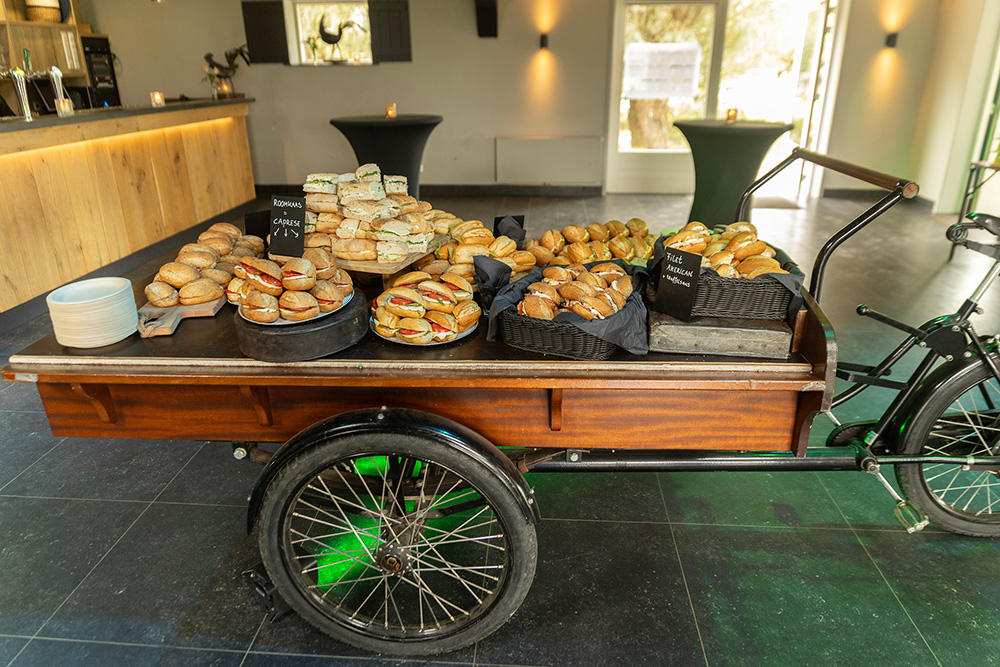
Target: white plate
<point x="371" y="325"/>
<point x="281" y="322"/>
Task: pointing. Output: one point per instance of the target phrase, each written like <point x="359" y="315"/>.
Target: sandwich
<point x="317" y="240"/>
<point x="361" y="209"/>
<point x="637" y="227"/>
<point x="525" y="261"/>
<point x="419" y="242"/>
<point x="543" y="256"/>
<point x="616" y="228"/>
<point x="546" y="292"/>
<point x="177" y="274"/>
<point x="254" y="243"/>
<point x="600" y="250"/>
<point x="327" y="222"/>
<point x="368" y="172"/>
<point x="394" y="185"/>
<point x="298" y="274"/>
<point x="232" y="290"/>
<point x="557" y="275"/>
<point x="323" y="261"/>
<point x="386" y="208"/>
<point x="386" y="323"/>
<point x="621" y="248"/>
<point x="590" y="308"/>
<point x="435" y="266"/>
<point x="444" y="326"/>
<point x="575" y="234"/>
<point x="478" y="235"/>
<point x="198" y="291"/>
<point x="598" y="232"/>
<point x="227" y="228"/>
<point x="309" y="225"/>
<point x="553" y="241"/>
<point x="220" y="245"/>
<point x="197" y="259"/>
<point x="608" y="270"/>
<point x="341" y="280"/>
<point x="459" y="286"/>
<point x="350" y="228"/>
<point x="415" y="330"/>
<point x="354" y="249"/>
<point x="161" y="294"/>
<point x="259" y="307"/>
<point x="411" y="279"/>
<point x="537" y="307"/>
<point x="463" y="254"/>
<point x="402" y="301"/>
<point x="349" y="192"/>
<point x="296" y="306"/>
<point x="390" y="252"/>
<point x="328" y="297"/>
<point x="322" y="202"/>
<point x="393" y="230"/>
<point x="320" y="183"/>
<point x="503" y="246"/>
<point x="263" y="274"/>
<point x="216" y="274"/>
<point x="466" y="314"/>
<point x="437" y="296"/>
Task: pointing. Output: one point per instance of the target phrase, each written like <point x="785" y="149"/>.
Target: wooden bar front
<point x="84" y="191"/>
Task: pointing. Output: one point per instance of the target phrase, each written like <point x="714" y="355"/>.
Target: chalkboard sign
<point x="257" y="223"/>
<point x="678" y="284"/>
<point x="511" y="226"/>
<point x="288" y="224"/>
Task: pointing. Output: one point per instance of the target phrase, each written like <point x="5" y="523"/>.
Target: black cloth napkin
<point x="626" y="328"/>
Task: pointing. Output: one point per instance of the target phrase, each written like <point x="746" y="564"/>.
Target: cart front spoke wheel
<point x="400" y="545"/>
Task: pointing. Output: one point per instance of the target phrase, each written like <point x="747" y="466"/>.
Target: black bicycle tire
<point x="911" y="477"/>
<point x="282" y="489"/>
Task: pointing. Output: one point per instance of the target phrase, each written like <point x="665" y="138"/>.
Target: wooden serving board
<point x="155" y="321"/>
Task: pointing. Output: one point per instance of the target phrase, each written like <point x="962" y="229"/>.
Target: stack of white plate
<point x="93" y="312"/>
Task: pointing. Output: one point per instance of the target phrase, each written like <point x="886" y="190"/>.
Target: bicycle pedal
<point x="909" y="518"/>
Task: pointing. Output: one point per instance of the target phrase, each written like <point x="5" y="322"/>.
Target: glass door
<point x="692" y="59"/>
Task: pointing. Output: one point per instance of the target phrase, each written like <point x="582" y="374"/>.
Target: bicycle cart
<point x="395" y="515"/>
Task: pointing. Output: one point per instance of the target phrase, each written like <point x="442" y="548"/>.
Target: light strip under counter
<point x="83" y="191"/>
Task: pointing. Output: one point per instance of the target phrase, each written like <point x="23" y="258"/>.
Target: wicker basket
<point x="757" y="299"/>
<point x="47" y="14"/>
<point x="561" y="339"/>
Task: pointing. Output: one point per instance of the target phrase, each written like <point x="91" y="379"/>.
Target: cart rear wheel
<point x="396" y="543"/>
<point x="961" y="419"/>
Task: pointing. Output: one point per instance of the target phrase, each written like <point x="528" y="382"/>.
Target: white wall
<point x="484" y="87"/>
<point x="880" y="89"/>
<point x="907" y="111"/>
<point x="952" y="106"/>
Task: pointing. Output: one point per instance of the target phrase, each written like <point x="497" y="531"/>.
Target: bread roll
<point x="198" y="291"/>
<point x="259" y="307"/>
<point x="537" y="307"/>
<point x="354" y="249"/>
<point x="598" y="232"/>
<point x="161" y="294"/>
<point x="296" y="306"/>
<point x="177" y="274"/>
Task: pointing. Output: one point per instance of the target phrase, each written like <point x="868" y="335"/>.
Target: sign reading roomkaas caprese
<point x="288" y="224"/>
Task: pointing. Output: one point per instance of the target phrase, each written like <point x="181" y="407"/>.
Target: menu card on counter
<point x="678" y="284"/>
<point x="288" y="223"/>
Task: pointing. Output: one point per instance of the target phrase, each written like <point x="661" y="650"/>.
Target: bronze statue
<point x="333" y="38"/>
<point x="226" y="71"/>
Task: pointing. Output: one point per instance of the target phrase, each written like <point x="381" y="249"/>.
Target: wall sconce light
<point x="890" y="39"/>
<point x="543" y="43"/>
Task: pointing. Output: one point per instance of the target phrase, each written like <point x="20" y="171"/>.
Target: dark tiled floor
<point x="127" y="552"/>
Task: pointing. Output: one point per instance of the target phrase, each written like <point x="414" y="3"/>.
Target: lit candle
<point x="730" y="115"/>
<point x="357" y="58"/>
<point x="390" y="110"/>
<point x="225" y="85"/>
<point x="64" y="107"/>
<point x="156" y="98"/>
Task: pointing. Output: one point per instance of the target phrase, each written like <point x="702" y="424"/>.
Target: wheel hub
<point x="392" y="558"/>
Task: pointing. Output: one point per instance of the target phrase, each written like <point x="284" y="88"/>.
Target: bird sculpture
<point x="333" y="38"/>
<point x="229" y="69"/>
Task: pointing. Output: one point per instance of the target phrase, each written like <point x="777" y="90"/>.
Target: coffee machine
<point x="103" y="91"/>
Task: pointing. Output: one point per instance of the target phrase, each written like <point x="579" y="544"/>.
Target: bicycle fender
<point x="896" y="433"/>
<point x="402" y="421"/>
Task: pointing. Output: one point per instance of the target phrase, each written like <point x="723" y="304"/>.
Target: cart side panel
<point x="732" y="419"/>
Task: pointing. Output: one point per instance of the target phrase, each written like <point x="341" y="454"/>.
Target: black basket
<point x="757" y="299"/>
<point x="561" y="339"/>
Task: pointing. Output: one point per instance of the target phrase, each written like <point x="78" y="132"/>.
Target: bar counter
<point x="83" y="191"/>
